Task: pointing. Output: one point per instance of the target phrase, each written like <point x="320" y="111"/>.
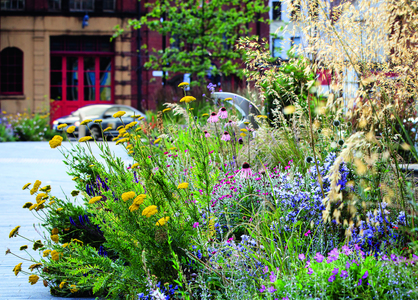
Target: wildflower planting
<point x="312" y="201"/>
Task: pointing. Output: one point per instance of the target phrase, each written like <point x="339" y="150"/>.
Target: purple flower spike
<point x="301" y="256"/>
<point x="344" y="274"/>
<point x="319" y="257"/>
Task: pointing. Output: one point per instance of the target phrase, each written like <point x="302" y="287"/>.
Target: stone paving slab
<point x="22" y="162"/>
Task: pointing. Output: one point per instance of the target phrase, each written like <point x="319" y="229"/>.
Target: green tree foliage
<point x="201" y="33"/>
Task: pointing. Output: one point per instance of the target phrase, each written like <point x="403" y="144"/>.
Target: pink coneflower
<point x="229" y="123"/>
<point x="223" y="114"/>
<point x="226" y="137"/>
<point x="207" y="134"/>
<point x="213" y="118"/>
<point x="246" y="170"/>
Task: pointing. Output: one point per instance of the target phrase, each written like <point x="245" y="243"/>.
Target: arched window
<point x="11" y="71"/>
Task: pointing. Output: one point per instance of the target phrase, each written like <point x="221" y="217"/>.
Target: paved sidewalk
<point x="23" y="162"/>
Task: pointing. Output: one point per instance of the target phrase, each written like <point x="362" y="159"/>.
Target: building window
<point x="277" y="43"/>
<point x="54" y="5"/>
<point x="277" y="11"/>
<point x="12" y="4"/>
<point x="108" y="5"/>
<point x="11" y="71"/>
<point x="81" y="5"/>
<point x="295" y="41"/>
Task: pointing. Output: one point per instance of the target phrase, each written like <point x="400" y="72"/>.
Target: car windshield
<point x="90" y="111"/>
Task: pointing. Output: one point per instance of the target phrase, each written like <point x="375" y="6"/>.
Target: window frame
<point x="82" y="8"/>
<point x="109" y="10"/>
<point x="21" y="92"/>
<point x="13" y="9"/>
<point x="50" y="8"/>
<point x="279" y="39"/>
<point x="274" y="10"/>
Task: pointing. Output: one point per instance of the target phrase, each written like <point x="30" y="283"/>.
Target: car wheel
<point x="95" y="133"/>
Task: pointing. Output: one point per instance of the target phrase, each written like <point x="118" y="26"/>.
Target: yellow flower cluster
<point x="135" y="165"/>
<point x="17" y="268"/>
<point x="14" y="232"/>
<point x="27" y="205"/>
<point x="33" y="206"/>
<point x="46" y="253"/>
<point x="55" y="255"/>
<point x="162" y="221"/>
<point x="55" y="238"/>
<point x="122" y="141"/>
<point x="85" y="122"/>
<point x="35" y="187"/>
<point x="150" y="211"/>
<point x="227" y="99"/>
<point x="137" y="202"/>
<point x="26" y="186"/>
<point x="183" y="84"/>
<point x="55" y="141"/>
<point x="62" y="284"/>
<point x="33" y="279"/>
<point x="24" y="247"/>
<point x="98" y="121"/>
<point x="157" y="141"/>
<point x="166" y="109"/>
<point x="95" y="199"/>
<point x="70" y="129"/>
<point x="130" y="125"/>
<point x="119" y="114"/>
<point x="73" y="288"/>
<point x="35" y="266"/>
<point x="187" y="99"/>
<point x="40" y="197"/>
<point x="85" y="139"/>
<point x="107" y="129"/>
<point x="128" y="196"/>
<point x="183" y="185"/>
<point x="62" y="126"/>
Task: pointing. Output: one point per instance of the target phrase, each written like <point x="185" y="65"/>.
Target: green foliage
<point x="31" y="127"/>
<point x="5" y="134"/>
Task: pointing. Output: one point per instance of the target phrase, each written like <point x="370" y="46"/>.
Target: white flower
<point x="157" y="295"/>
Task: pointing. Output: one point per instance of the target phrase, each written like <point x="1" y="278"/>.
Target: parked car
<point x="99" y="111"/>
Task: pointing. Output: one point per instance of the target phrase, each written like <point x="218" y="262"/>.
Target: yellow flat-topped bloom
<point x="183" y="84"/>
<point x="95" y="199"/>
<point x="70" y="129"/>
<point x="107" y="129"/>
<point x="14" y="232"/>
<point x="133" y="207"/>
<point x="183" y="185"/>
<point x="157" y="141"/>
<point x="228" y="99"/>
<point x="98" y="121"/>
<point x="46" y="253"/>
<point x="128" y="196"/>
<point x="17" y="268"/>
<point x="139" y="199"/>
<point x="166" y="109"/>
<point x="55" y="141"/>
<point x="130" y="125"/>
<point x="27" y="205"/>
<point x="24" y="247"/>
<point x="135" y="165"/>
<point x="242" y="134"/>
<point x="85" y="122"/>
<point x="55" y="255"/>
<point x="119" y="127"/>
<point x="115" y="138"/>
<point x="139" y="119"/>
<point x="162" y="221"/>
<point x="85" y="139"/>
<point x="62" y="126"/>
<point x="55" y="238"/>
<point x="35" y="187"/>
<point x="26" y="186"/>
<point x="150" y="211"/>
<point x="33" y="206"/>
<point x="243" y="130"/>
<point x="33" y="279"/>
<point x="122" y="141"/>
<point x="187" y="99"/>
<point x="262" y="116"/>
<point x="119" y="114"/>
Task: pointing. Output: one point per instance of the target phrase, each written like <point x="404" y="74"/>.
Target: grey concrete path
<point x="20" y="163"/>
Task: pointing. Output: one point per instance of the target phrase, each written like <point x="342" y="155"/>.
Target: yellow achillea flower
<point x="46" y="253"/>
<point x="139" y="199"/>
<point x="119" y="127"/>
<point x="119" y="114"/>
<point x="33" y="279"/>
<point x="131" y="152"/>
<point x="73" y="288"/>
<point x="183" y="185"/>
<point x="107" y="129"/>
<point x="166" y="109"/>
<point x="129" y="146"/>
<point x="243" y="130"/>
<point x="211" y="226"/>
<point x="59" y="209"/>
<point x="138" y="129"/>
<point x="98" y="121"/>
<point x="125" y="135"/>
<point x="157" y="141"/>
<point x="54" y="231"/>
<point x="40" y="196"/>
<point x="35" y="266"/>
<point x="95" y="199"/>
<point x="122" y="141"/>
<point x="70" y="129"/>
<point x="62" y="284"/>
<point x="85" y="139"/>
<point x="46" y="188"/>
<point x="85" y="122"/>
<point x="173" y="148"/>
<point x="33" y="206"/>
<point x="64" y="245"/>
<point x="242" y="134"/>
<point x="162" y="221"/>
<point x="150" y="211"/>
<point x="40" y="205"/>
<point x="227" y="99"/>
<point x="55" y="255"/>
<point x="130" y="125"/>
<point x="55" y="238"/>
<point x="135" y="165"/>
<point x="115" y="138"/>
<point x="17" y="268"/>
<point x="14" y="232"/>
<point x="187" y="99"/>
<point x="139" y="119"/>
<point x="55" y="141"/>
<point x="35" y="187"/>
<point x="27" y="205"/>
<point x="24" y="247"/>
<point x="133" y="207"/>
<point x="183" y="84"/>
<point x="38" y="244"/>
<point x="191" y="108"/>
<point x="26" y="186"/>
<point x="262" y="116"/>
<point x="205" y="115"/>
<point x="62" y="126"/>
<point x="128" y="196"/>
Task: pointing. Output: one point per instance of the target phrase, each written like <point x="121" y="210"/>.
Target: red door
<point x="80" y="79"/>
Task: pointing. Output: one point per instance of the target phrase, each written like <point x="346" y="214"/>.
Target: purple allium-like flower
<point x="246" y="170"/>
<point x="310" y="271"/>
<point x="344" y="274"/>
<point x="301" y="256"/>
<point x="331" y="278"/>
<point x="213" y="118"/>
<point x="271" y="289"/>
<point x="226" y="136"/>
<point x="223" y="114"/>
<point x="207" y="134"/>
<point x="263" y="288"/>
<point x="319" y="257"/>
